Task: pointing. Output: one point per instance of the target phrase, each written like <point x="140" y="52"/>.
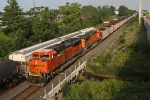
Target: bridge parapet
<point x="147" y="24"/>
<point x="69" y="77"/>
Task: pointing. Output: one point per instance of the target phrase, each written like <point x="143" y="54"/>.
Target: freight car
<point x="108" y="23"/>
<point x="48" y="61"/>
<point x="8" y="73"/>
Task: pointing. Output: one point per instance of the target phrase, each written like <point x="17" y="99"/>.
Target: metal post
<point x="65" y="75"/>
<point x="53" y="89"/>
<point x="45" y="94"/>
<point x="86" y="57"/>
<point x="34" y="6"/>
<point x="139" y="11"/>
<point x="59" y="82"/>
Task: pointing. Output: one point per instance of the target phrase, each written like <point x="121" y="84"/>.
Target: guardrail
<point x="71" y="77"/>
<point x="147" y="24"/>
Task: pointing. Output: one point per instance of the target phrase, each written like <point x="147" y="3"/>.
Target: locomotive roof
<point x="37" y="46"/>
<point x="56" y="47"/>
<point x="67" y="44"/>
<point x="43" y="50"/>
<point x="87" y="34"/>
<point x="71" y="40"/>
<point x="87" y="30"/>
<point x="84" y="36"/>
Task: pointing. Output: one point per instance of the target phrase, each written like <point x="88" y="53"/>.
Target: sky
<point x="53" y="4"/>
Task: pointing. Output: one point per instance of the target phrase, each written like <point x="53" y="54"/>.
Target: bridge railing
<point x="147" y="24"/>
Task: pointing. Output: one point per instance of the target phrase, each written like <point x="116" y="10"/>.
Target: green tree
<point x="90" y="15"/>
<point x="112" y="8"/>
<point x="11" y="16"/>
<point x="5" y="46"/>
<point x="1" y="13"/>
<point x="109" y="89"/>
<point x="17" y="28"/>
<point x="44" y="26"/>
<point x="49" y="15"/>
<point x="99" y="8"/>
<point x="124" y="11"/>
<point x="72" y="19"/>
<point x="106" y="12"/>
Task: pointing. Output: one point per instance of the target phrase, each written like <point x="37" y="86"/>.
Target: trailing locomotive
<point x="8" y="73"/>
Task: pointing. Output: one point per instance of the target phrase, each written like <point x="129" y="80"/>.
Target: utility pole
<point x="140" y="8"/>
<point x="34" y="6"/>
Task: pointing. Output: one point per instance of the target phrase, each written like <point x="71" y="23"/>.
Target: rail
<point x="26" y="93"/>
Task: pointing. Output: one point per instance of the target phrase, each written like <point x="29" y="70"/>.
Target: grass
<point x="148" y="15"/>
<point x="127" y="57"/>
<point x="98" y="26"/>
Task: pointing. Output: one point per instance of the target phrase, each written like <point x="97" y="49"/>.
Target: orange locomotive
<point x="48" y="61"/>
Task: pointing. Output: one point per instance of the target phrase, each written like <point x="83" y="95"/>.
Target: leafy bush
<point x="110" y="89"/>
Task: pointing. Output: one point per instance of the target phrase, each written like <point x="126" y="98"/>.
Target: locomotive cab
<point x="38" y="69"/>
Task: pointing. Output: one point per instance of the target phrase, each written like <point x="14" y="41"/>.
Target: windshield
<point x="35" y="56"/>
<point x="44" y="56"/>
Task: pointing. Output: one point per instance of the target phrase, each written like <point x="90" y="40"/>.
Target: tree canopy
<point x="72" y="19"/>
<point x="110" y="89"/>
<point x="11" y="17"/>
<point x="39" y="24"/>
<point x="124" y="11"/>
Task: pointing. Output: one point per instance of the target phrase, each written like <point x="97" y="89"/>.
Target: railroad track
<point x="26" y="93"/>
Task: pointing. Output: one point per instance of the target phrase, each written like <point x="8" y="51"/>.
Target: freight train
<point x="39" y="62"/>
<point x="48" y="61"/>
